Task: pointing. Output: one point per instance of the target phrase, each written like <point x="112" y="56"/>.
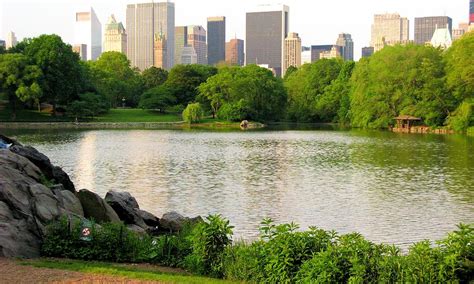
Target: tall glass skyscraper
<point x="347" y="46"/>
<point x="471" y="12"/>
<point x="426" y="26"/>
<point x="215" y="40"/>
<point x="144" y="22"/>
<point x="88" y="31"/>
<point x="266" y="30"/>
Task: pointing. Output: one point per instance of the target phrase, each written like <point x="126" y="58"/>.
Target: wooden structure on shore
<point x="411" y="124"/>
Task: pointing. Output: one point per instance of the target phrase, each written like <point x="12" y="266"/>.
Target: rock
<point x="175" y="222"/>
<point x="149" y="219"/>
<point x="126" y="207"/>
<point x="68" y="200"/>
<point x="12" y="160"/>
<point x="244" y="124"/>
<point x="137" y="229"/>
<point x="61" y="177"/>
<point x="96" y="208"/>
<point x="9" y="140"/>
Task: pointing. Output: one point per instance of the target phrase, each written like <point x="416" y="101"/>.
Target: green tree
<point x="193" y="113"/>
<point x="19" y="80"/>
<point x="185" y="79"/>
<point x="399" y="80"/>
<point x="60" y="68"/>
<point x="292" y="69"/>
<point x="160" y="97"/>
<point x="113" y="76"/>
<point x="154" y="77"/>
<point x="306" y="86"/>
<point x="88" y="105"/>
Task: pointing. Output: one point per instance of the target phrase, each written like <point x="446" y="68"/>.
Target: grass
<point x="151" y="273"/>
<point x="137" y="115"/>
<point x="30" y="116"/>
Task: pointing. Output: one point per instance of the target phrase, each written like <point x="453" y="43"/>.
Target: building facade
<point x="189" y="55"/>
<point x="367" y="51"/>
<point x="197" y="40"/>
<point x="144" y="21"/>
<point x="426" y="26"/>
<point x="266" y="30"/>
<point x="234" y="52"/>
<point x="391" y="29"/>
<point x="88" y="31"/>
<point x="347" y="46"/>
<point x="442" y="38"/>
<point x="305" y="55"/>
<point x="292" y="52"/>
<point x="160" y="55"/>
<point x="11" y="40"/>
<point x="471" y="12"/>
<point x="335" y="52"/>
<point x="215" y="40"/>
<point x="81" y="50"/>
<point x="460" y="31"/>
<point x="317" y="49"/>
<point x="181" y="40"/>
<point x="115" y="37"/>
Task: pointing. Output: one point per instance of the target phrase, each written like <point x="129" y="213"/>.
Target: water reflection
<point x="390" y="187"/>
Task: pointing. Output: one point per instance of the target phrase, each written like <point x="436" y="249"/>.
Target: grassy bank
<point x="131" y="271"/>
<point x="137" y="115"/>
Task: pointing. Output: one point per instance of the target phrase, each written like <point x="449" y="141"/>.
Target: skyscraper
<point x="81" y="50"/>
<point x="181" y="40"/>
<point x="305" y="55"/>
<point x="317" y="49"/>
<point x="367" y="51"/>
<point x="197" y="40"/>
<point x="189" y="55"/>
<point x="292" y="52"/>
<point x="215" y="40"/>
<point x="390" y="28"/>
<point x="234" y="52"/>
<point x="266" y="30"/>
<point x="426" y="26"/>
<point x="115" y="37"/>
<point x="88" y="31"/>
<point x="460" y="31"/>
<point x="347" y="46"/>
<point x="144" y="21"/>
<point x="11" y="40"/>
<point x="160" y="55"/>
<point x="471" y="12"/>
<point x="335" y="52"/>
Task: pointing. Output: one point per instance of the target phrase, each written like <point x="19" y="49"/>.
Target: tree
<point x="154" y="77"/>
<point x="292" y="69"/>
<point x="193" y="113"/>
<point x="400" y="80"/>
<point x="460" y="68"/>
<point x="113" y="76"/>
<point x="185" y="79"/>
<point x="88" y="105"/>
<point x="159" y="97"/>
<point x="19" y="79"/>
<point x="61" y="72"/>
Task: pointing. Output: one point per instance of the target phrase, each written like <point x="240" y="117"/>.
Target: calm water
<point x="392" y="188"/>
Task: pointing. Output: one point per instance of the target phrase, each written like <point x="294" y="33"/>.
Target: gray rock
<point x="149" y="219"/>
<point x="137" y="229"/>
<point x="126" y="207"/>
<point x="22" y="164"/>
<point x="61" y="177"/>
<point x="173" y="221"/>
<point x="96" y="208"/>
<point x="71" y="203"/>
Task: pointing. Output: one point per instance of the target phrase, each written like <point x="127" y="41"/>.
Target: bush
<point x="463" y="117"/>
<point x="171" y="250"/>
<point x="193" y="113"/>
<point x="209" y="240"/>
<point x="234" y="111"/>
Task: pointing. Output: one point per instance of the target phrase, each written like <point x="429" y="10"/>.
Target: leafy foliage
<point x="154" y="77"/>
<point x="193" y="113"/>
<point x="160" y="97"/>
<point x="88" y="105"/>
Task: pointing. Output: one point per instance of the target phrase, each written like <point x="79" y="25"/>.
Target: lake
<point x="392" y="188"/>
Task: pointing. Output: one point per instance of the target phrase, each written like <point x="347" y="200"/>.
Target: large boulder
<point x="126" y="207"/>
<point x="96" y="208"/>
<point x="175" y="222"/>
<point x="27" y="206"/>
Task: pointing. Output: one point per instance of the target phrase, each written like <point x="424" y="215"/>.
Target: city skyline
<point x="333" y="20"/>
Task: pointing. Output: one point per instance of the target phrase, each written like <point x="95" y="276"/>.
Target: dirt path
<point x="13" y="273"/>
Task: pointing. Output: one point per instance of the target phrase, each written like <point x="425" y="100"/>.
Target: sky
<point x="316" y="21"/>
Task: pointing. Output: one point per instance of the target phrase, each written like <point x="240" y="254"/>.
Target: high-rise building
<point x="197" y="39"/>
<point x="234" y="52"/>
<point x="80" y="49"/>
<point x="317" y="49"/>
<point x="88" y="31"/>
<point x="11" y="40"/>
<point x="305" y="55"/>
<point x="442" y="38"/>
<point x="215" y="40"/>
<point x="266" y="30"/>
<point x="460" y="31"/>
<point x="160" y="55"/>
<point x="347" y="46"/>
<point x="367" y="51"/>
<point x="335" y="52"/>
<point x="426" y="26"/>
<point x="189" y="55"/>
<point x="181" y="40"/>
<point x="471" y="12"/>
<point x="115" y="37"/>
<point x="292" y="52"/>
<point x="390" y="28"/>
<point x="143" y="22"/>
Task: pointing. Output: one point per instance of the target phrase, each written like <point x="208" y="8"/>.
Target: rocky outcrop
<point x="96" y="208"/>
<point x="26" y="206"/>
<point x="175" y="222"/>
<point x="126" y="207"/>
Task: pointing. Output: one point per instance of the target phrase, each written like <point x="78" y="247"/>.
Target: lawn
<point x="30" y="116"/>
<point x="141" y="272"/>
<point x="137" y="115"/>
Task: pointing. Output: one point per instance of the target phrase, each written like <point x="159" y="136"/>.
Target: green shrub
<point x="463" y="117"/>
<point x="171" y="250"/>
<point x="193" y="113"/>
<point x="209" y="240"/>
<point x="244" y="262"/>
<point x="234" y="111"/>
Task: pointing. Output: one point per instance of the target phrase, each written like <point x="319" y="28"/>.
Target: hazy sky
<point x="317" y="22"/>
